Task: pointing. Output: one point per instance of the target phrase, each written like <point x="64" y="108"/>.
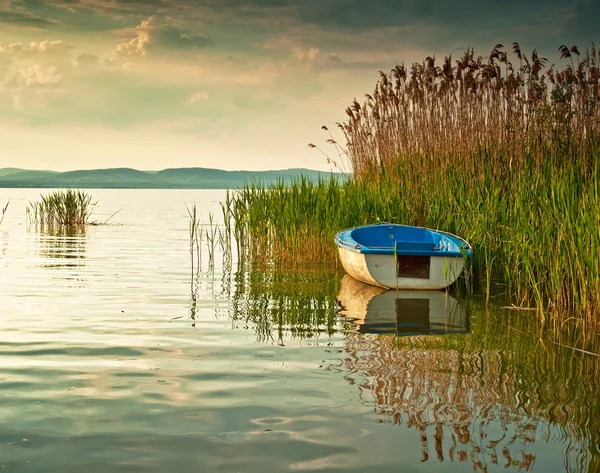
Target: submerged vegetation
<point x="502" y="151"/>
<point x="69" y="207"/>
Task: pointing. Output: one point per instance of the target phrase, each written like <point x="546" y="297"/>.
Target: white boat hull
<point x="380" y="270"/>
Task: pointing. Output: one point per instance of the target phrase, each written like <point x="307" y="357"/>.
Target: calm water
<point x="115" y="356"/>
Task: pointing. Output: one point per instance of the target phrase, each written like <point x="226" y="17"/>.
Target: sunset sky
<point x="233" y="84"/>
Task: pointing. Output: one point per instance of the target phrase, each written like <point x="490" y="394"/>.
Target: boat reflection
<point x="371" y="309"/>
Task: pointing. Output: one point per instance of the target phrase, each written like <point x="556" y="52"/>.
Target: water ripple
<point x="117" y="356"/>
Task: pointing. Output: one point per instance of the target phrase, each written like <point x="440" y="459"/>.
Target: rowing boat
<point x="402" y="256"/>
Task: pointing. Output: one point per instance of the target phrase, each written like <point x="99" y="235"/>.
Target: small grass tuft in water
<point x="69" y="207"/>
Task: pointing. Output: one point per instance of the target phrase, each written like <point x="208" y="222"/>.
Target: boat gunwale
<point x="356" y="247"/>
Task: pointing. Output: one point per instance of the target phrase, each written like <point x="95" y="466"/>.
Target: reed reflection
<point x="278" y="304"/>
<point x="476" y="386"/>
<point x="493" y="398"/>
<point x="4" y="236"/>
<point x="62" y="247"/>
<point x="371" y="309"/>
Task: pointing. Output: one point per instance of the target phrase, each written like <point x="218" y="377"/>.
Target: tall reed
<point x="69" y="207"/>
<point x="518" y="115"/>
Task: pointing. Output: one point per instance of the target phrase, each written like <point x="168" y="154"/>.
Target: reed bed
<point x="69" y="207"/>
<point x="517" y="114"/>
<point x="501" y="150"/>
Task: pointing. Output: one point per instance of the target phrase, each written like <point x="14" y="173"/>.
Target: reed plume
<point x="517" y="115"/>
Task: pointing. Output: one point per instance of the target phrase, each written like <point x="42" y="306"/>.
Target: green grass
<point x="535" y="233"/>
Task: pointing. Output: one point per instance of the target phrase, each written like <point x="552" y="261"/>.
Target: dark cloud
<point x="357" y="14"/>
<point x="584" y="23"/>
<point x="465" y="23"/>
<point x="23" y="19"/>
<point x="465" y="17"/>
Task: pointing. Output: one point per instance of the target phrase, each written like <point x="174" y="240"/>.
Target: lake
<point x="117" y="355"/>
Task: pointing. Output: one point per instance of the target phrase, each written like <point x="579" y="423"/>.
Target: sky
<point x="230" y="84"/>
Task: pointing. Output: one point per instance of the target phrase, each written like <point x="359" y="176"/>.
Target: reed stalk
<point x="4" y="212"/>
<point x="195" y="237"/>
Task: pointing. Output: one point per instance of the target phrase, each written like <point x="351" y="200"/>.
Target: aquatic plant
<point x="506" y="156"/>
<point x="217" y="238"/>
<point x="69" y="207"/>
<point x="4" y="212"/>
<point x="195" y="235"/>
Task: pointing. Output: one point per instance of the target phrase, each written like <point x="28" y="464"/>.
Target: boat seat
<point x="413" y="247"/>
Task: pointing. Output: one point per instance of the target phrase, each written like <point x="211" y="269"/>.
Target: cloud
<point x="34" y="71"/>
<point x="313" y="59"/>
<point x="36" y="76"/>
<point x="87" y="59"/>
<point x="53" y="50"/>
<point x="296" y="60"/>
<point x="24" y="19"/>
<point x="199" y="97"/>
<point x="155" y="36"/>
<point x="236" y="61"/>
<point x="270" y="54"/>
<point x="31" y="86"/>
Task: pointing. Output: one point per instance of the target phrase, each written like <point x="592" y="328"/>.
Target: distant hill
<point x="127" y="178"/>
<point x="11" y="171"/>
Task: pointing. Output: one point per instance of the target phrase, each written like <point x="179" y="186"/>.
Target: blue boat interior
<point x="402" y="240"/>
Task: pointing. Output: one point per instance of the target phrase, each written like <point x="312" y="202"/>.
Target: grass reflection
<point x="279" y="304"/>
<point x="485" y="397"/>
<point x="485" y="387"/>
<point x="61" y="247"/>
<point x="3" y="212"/>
